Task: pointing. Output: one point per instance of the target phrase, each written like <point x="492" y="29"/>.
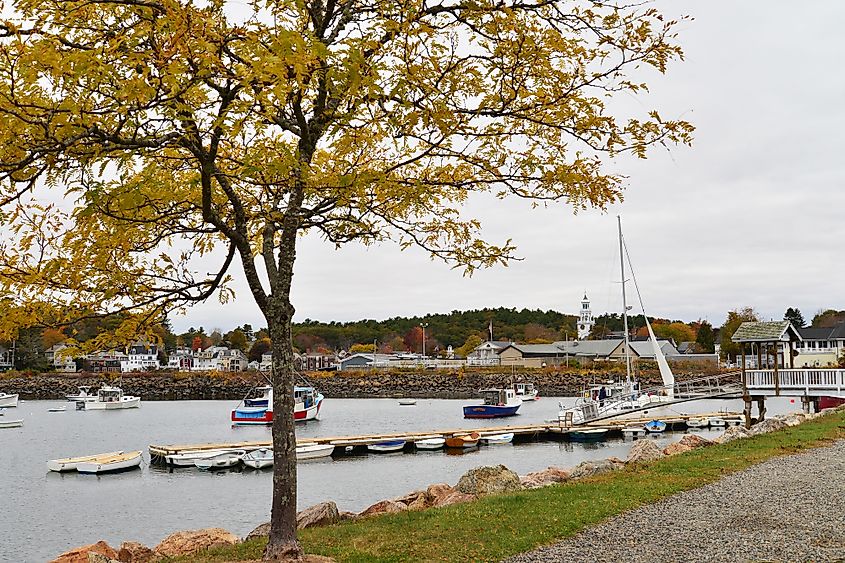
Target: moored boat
<point x="656" y="426"/>
<point x="83" y="393"/>
<point x="733" y="421"/>
<point x="430" y="443"/>
<point x="313" y="451"/>
<point x="492" y="439"/>
<point x="463" y="441"/>
<point x="718" y="422"/>
<point x="220" y="461"/>
<point x="588" y="435"/>
<point x="407" y="402"/>
<point x="387" y="446"/>
<point x="259" y="459"/>
<point x="187" y="459"/>
<point x="70" y="463"/>
<point x="307" y="403"/>
<point x="633" y="432"/>
<point x="526" y="391"/>
<point x="8" y="400"/>
<point x="698" y="422"/>
<point x="110" y="398"/>
<point x="111" y="464"/>
<point x="11" y="423"/>
<point x="497" y="403"/>
<point x="57" y="409"/>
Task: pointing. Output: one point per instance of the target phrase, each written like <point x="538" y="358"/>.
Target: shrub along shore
<point x="492" y="527"/>
<point x="435" y="384"/>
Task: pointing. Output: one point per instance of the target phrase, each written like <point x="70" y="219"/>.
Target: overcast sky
<point x="752" y="214"/>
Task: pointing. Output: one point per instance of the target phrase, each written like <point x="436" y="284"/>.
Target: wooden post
<point x="777" y="383"/>
<point x="791" y="356"/>
<point x="761" y="408"/>
<point x="747" y="410"/>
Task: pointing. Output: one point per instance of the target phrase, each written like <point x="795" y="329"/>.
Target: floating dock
<point x="538" y="431"/>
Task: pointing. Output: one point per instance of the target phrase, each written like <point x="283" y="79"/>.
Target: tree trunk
<point x="282" y="544"/>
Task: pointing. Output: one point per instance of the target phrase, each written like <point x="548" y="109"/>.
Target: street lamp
<point x="423" y="325"/>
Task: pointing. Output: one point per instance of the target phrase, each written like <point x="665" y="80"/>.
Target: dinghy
<point x="588" y="435"/>
<point x="11" y="423"/>
<point x="498" y="438"/>
<point x="112" y="464"/>
<point x="633" y="432"/>
<point x="430" y="443"/>
<point x="718" y="422"/>
<point x="220" y="461"/>
<point x="388" y="446"/>
<point x="260" y="458"/>
<point x="407" y="402"/>
<point x="701" y="422"/>
<point x="463" y="441"/>
<point x="57" y="409"/>
<point x="313" y="451"/>
<point x="655" y="426"/>
<point x="7" y="400"/>
<point x="187" y="459"/>
<point x="70" y="463"/>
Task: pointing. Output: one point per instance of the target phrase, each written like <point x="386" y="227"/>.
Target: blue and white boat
<point x="497" y="403"/>
<point x="655" y="426"/>
<point x="387" y="446"/>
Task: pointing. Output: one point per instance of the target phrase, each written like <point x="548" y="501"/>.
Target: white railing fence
<point x="811" y="381"/>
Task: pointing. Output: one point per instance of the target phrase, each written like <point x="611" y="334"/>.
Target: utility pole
<point x="423" y="325"/>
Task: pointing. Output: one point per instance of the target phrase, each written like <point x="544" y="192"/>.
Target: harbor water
<point x="43" y="514"/>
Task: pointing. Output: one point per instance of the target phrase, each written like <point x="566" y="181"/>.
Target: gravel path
<point x="785" y="509"/>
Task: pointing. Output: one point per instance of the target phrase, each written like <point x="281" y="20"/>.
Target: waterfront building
<point x="487" y="353"/>
<point x="7" y="357"/>
<point x="232" y="359"/>
<point x="109" y="361"/>
<point x="181" y="359"/>
<point x="585" y="319"/>
<point x="820" y="347"/>
<point x="141" y="357"/>
<point x="58" y="361"/>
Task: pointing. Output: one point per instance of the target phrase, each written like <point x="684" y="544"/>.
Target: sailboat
<point x="624" y="396"/>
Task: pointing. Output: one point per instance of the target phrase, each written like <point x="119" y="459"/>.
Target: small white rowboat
<point x="187" y="459"/>
<point x="702" y="422"/>
<point x="118" y="462"/>
<point x="11" y="423"/>
<point x="221" y="461"/>
<point x="430" y="443"/>
<point x="7" y="400"/>
<point x="718" y="422"/>
<point x="313" y="451"/>
<point x="71" y="463"/>
<point x="407" y="402"/>
<point x="57" y="409"/>
<point x="259" y="459"/>
<point x="498" y="438"/>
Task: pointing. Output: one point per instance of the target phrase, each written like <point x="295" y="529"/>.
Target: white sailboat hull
<point x="8" y="400"/>
<point x="187" y="459"/>
<point x="11" y="423"/>
<point x="220" y="461"/>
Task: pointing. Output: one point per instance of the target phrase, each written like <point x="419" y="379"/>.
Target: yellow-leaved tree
<point x="139" y="136"/>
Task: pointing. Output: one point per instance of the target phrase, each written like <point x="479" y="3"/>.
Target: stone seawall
<point x="359" y="384"/>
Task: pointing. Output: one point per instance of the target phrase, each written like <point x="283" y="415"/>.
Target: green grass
<point x="496" y="527"/>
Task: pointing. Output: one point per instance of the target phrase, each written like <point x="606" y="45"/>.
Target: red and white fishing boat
<point x="307" y="403"/>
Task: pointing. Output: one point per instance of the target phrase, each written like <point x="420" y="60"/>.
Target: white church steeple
<point x="585" y="319"/>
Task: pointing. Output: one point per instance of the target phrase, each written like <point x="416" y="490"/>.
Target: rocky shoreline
<point x="475" y="483"/>
<point x="458" y="384"/>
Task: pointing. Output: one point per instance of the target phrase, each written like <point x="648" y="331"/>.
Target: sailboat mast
<point x="624" y="305"/>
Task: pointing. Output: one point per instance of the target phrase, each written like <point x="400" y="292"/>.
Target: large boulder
<point x="192" y="541"/>
<point x="322" y="514"/>
<point x="543" y="478"/>
<point x="80" y="554"/>
<point x="488" y="480"/>
<point x="768" y="425"/>
<point x="438" y="490"/>
<point x="644" y="451"/>
<point x="454" y="497"/>
<point x="383" y="507"/>
<point x="794" y="419"/>
<point x="732" y="433"/>
<point x="687" y="443"/>
<point x="260" y="531"/>
<point x="134" y="552"/>
<point x="597" y="467"/>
